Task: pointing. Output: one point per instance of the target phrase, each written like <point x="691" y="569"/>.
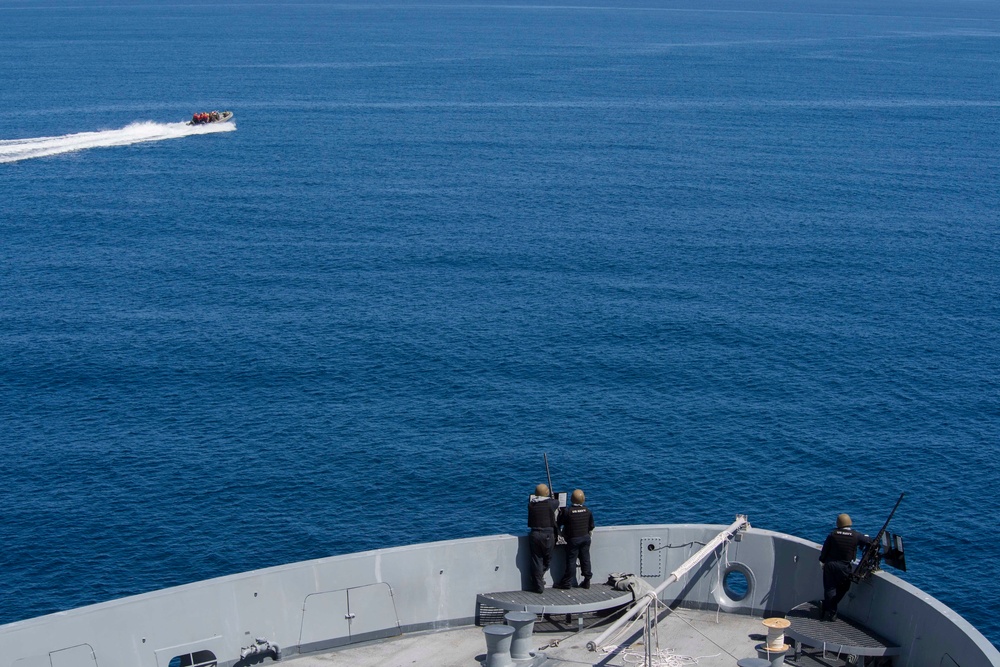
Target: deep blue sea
<point x="712" y="257"/>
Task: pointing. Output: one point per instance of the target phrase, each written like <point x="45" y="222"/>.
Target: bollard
<point x="775" y="657"/>
<point x="523" y="623"/>
<point x="498" y="639"/>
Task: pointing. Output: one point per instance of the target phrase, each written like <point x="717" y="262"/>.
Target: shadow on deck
<point x="556" y="606"/>
<point x="843" y="639"/>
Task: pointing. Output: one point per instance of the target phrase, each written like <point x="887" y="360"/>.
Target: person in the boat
<point x="837" y="557"/>
<point x="542" y="508"/>
<point x="576" y="523"/>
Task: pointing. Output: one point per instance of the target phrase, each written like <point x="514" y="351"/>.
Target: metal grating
<point x="489" y="615"/>
<point x="840" y="635"/>
<point x="558" y="601"/>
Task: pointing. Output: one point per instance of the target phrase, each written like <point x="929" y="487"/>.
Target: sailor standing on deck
<point x="542" y="509"/>
<point x="577" y="522"/>
<point x="837" y="556"/>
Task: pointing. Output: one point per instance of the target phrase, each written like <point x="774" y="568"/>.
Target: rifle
<point x="552" y="494"/>
<point x="548" y="475"/>
<point x="871" y="559"/>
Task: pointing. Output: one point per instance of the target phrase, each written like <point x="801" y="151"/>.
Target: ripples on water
<point x="710" y="261"/>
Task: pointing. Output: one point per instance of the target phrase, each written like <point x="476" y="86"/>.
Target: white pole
<point x="686" y="566"/>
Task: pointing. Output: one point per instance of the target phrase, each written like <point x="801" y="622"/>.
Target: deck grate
<point x="841" y="635"/>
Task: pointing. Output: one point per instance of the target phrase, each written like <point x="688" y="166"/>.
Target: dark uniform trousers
<point x="541" y="541"/>
<point x="836" y="583"/>
<point x="577" y="547"/>
<point x="838" y="552"/>
<point x="542" y="538"/>
<point x="577" y="522"/>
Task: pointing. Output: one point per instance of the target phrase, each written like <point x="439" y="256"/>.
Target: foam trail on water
<point x="13" y="150"/>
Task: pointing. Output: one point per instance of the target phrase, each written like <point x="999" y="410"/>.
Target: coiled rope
<point x="654" y="656"/>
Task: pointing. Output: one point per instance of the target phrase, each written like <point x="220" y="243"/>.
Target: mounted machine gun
<point x="885" y="546"/>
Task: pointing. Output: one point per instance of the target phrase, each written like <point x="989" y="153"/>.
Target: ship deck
<point x="556" y="601"/>
<point x="716" y="640"/>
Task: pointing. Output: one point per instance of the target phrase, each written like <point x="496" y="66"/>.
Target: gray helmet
<point x="843" y="521"/>
<point x="578" y="497"/>
<point x="541" y="490"/>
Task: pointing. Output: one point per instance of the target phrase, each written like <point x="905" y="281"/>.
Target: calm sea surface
<point x="712" y="257"/>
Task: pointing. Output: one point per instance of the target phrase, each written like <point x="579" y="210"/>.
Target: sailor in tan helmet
<point x="837" y="556"/>
<point x="542" y="508"/>
<point x="577" y="523"/>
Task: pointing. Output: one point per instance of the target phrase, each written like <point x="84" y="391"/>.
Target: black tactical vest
<point x="841" y="544"/>
<point x="578" y="521"/>
<point x="542" y="514"/>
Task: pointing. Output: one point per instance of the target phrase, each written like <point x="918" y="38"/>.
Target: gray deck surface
<point x="840" y="636"/>
<point x="715" y="640"/>
<point x="559" y="601"/>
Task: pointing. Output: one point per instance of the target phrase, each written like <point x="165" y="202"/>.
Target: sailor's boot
<point x="586" y="583"/>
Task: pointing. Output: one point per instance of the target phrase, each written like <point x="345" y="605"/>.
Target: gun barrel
<point x="870" y="559"/>
<point x="547" y="474"/>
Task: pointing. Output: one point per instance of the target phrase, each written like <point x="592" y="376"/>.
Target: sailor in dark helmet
<point x="576" y="522"/>
<point x="542" y="509"/>
<point x="837" y="556"/>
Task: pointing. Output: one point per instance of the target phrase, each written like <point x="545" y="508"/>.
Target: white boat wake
<point x="13" y="150"/>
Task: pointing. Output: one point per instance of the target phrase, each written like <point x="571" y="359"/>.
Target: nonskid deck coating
<point x="714" y="640"/>
<point x="840" y="635"/>
<point x="559" y="601"/>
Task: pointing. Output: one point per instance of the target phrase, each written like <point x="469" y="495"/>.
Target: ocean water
<point x="711" y="257"/>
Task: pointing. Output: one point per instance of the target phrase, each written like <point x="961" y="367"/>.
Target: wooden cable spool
<point x="776" y="633"/>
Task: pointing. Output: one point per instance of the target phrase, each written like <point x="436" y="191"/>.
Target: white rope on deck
<point x="649" y="606"/>
<point x="654" y="656"/>
<point x="663" y="658"/>
<point x="643" y="602"/>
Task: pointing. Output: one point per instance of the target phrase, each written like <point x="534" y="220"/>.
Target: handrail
<point x="739" y="524"/>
